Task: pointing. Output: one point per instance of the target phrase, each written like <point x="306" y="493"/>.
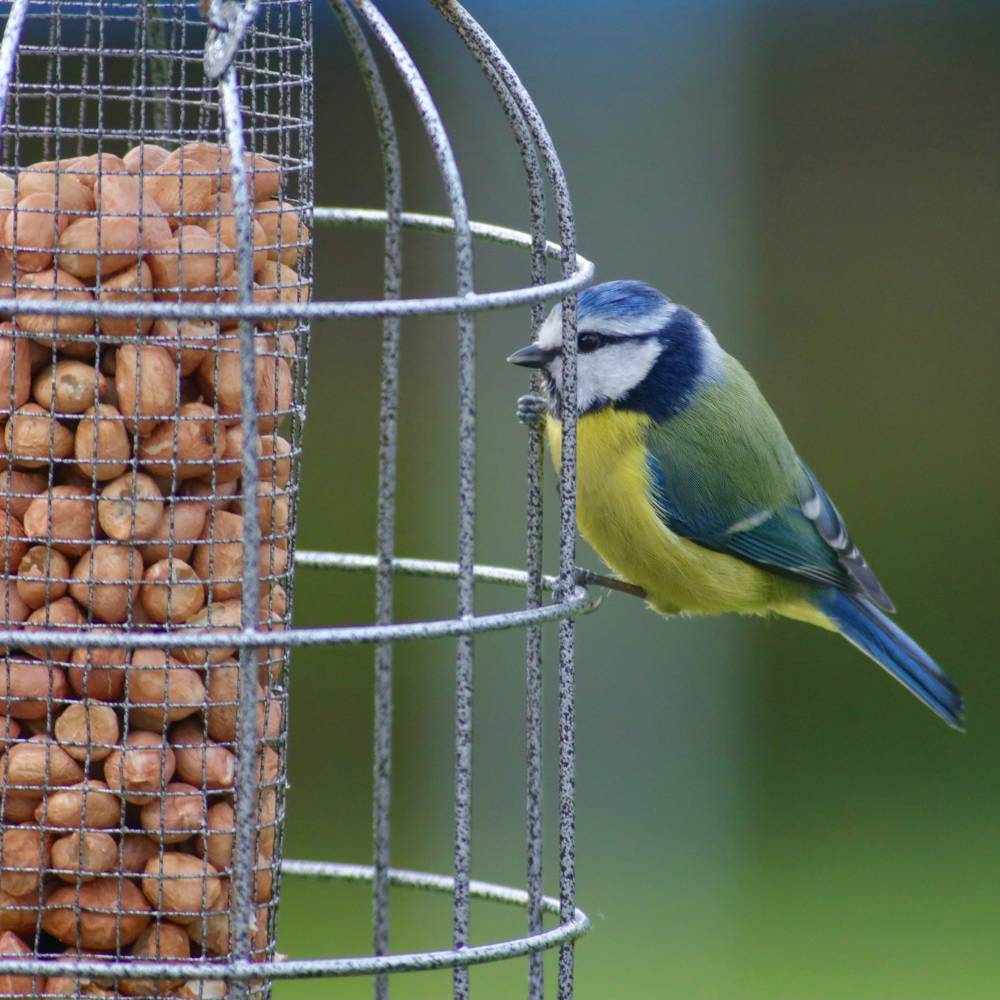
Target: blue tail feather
<point x="862" y="624"/>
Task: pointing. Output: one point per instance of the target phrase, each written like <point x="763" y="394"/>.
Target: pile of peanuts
<point x="121" y="509"/>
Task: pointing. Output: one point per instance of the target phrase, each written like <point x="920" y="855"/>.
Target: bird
<point x="689" y="488"/>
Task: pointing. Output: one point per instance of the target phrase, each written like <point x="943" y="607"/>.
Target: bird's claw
<point x="531" y="410"/>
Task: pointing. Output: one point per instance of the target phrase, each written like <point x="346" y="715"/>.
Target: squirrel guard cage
<point x="156" y="209"/>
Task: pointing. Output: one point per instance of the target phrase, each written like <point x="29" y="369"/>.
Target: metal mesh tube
<point x="150" y="485"/>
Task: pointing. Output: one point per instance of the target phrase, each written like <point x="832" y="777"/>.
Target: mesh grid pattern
<point x="121" y="496"/>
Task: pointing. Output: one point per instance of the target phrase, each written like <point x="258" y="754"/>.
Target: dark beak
<point x="532" y="356"/>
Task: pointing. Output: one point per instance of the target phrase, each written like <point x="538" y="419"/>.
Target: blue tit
<point x="688" y="487"/>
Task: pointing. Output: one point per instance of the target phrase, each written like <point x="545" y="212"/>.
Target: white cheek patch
<point x="612" y="371"/>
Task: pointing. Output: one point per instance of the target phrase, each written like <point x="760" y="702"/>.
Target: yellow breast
<point x="616" y="517"/>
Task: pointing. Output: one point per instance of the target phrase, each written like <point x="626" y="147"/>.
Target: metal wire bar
<point x="452" y="181"/>
<point x="579" y="602"/>
<point x="8" y="54"/>
<point x="533" y="533"/>
<point x="385" y="536"/>
<point x="478" y="40"/>
<point x="244" y="847"/>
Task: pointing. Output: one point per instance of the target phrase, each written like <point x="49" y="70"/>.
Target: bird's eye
<point x="587" y="342"/>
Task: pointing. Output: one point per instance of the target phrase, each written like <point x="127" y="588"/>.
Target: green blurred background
<point x="761" y="812"/>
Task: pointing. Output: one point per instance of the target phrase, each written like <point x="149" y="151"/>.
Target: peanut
<point x="69" y="387"/>
<point x="12" y="607"/>
<point x="276" y="460"/>
<point x="114" y="912"/>
<point x="176" y="816"/>
<point x="223" y="231"/>
<point x="201" y="762"/>
<point x="106" y="580"/>
<point x="146" y="380"/>
<point x="217" y="844"/>
<point x="283" y="229"/>
<point x="87" y="731"/>
<point x="18" y="489"/>
<point x="223" y="700"/>
<point x="88" y="169"/>
<point x="98" y="672"/>
<point x="42" y="575"/>
<point x="34" y="439"/>
<point x="93" y="246"/>
<point x="163" y="941"/>
<point x="144" y="158"/>
<point x="199" y="444"/>
<point x="30" y="232"/>
<point x="12" y="544"/>
<point x="218" y="377"/>
<point x="219" y="561"/>
<point x="221" y="495"/>
<point x="89" y="805"/>
<point x="81" y="857"/>
<point x="101" y="446"/>
<point x="25" y="856"/>
<point x="40" y="763"/>
<point x="10" y="984"/>
<point x="288" y="287"/>
<point x="190" y="267"/>
<point x="219" y="616"/>
<point x="29" y="689"/>
<point x="15" y="370"/>
<point x="142" y="769"/>
<point x="188" y="340"/>
<point x="179" y="526"/>
<point x="181" y="886"/>
<point x="133" y="284"/>
<point x="182" y="186"/>
<point x="165" y="689"/>
<point x="57" y="286"/>
<point x="265" y="176"/>
<point x="171" y="591"/>
<point x="64" y="517"/>
<point x="59" y="614"/>
<point x="19" y="913"/>
<point x="137" y="850"/>
<point x="130" y="507"/>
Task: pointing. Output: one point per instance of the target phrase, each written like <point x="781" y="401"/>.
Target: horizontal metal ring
<point x="430" y="568"/>
<point x="316" y="968"/>
<point x="580" y="602"/>
<point x="356" y="309"/>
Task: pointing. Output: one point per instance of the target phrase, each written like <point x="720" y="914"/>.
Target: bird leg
<point x="531" y="410"/>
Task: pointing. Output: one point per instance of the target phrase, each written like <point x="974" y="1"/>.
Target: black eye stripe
<point x="591" y="340"/>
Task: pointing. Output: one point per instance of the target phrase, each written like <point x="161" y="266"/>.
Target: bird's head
<point x="637" y="350"/>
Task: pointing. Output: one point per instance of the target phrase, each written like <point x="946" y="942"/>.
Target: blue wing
<point x="805" y="539"/>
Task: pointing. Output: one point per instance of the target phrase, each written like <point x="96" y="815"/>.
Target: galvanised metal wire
<point x="85" y="77"/>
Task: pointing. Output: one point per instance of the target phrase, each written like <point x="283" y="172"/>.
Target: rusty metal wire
<point x="152" y="393"/>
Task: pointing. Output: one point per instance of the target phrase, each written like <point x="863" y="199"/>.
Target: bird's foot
<point x="531" y="410"/>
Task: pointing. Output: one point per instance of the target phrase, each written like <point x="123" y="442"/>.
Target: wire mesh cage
<point x="156" y="207"/>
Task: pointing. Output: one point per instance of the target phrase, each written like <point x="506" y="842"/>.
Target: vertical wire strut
<point x="452" y="181"/>
<point x="533" y="532"/>
<point x="474" y="36"/>
<point x="246" y="724"/>
<point x="388" y="407"/>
